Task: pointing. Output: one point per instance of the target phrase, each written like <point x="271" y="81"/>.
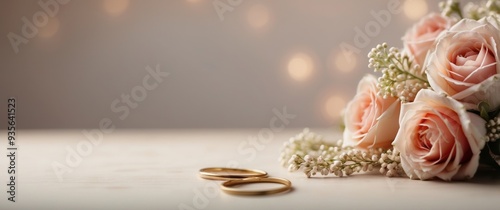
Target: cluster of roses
<point x="434" y="112"/>
<point x="440" y="109"/>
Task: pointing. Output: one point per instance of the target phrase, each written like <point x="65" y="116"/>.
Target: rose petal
<point x="369" y="118"/>
<point x="486" y="91"/>
<point x="438" y="138"/>
<point x="464" y="59"/>
<point x="384" y="131"/>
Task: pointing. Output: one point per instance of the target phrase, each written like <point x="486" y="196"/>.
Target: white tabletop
<point x="158" y="169"/>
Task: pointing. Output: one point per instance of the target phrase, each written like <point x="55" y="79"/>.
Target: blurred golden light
<point x="415" y="9"/>
<point x="193" y="1"/>
<point x="344" y="64"/>
<point x="115" y="7"/>
<point x="334" y="106"/>
<point x="258" y="16"/>
<point x="50" y="29"/>
<point x="300" y="66"/>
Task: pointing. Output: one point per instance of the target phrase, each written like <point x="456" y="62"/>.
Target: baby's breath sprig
<point x="493" y="130"/>
<point x="450" y="7"/>
<point x="337" y="160"/>
<point x="492" y="121"/>
<point x="493" y="6"/>
<point x="304" y="143"/>
<point x="477" y="11"/>
<point x="492" y="136"/>
<point x="401" y="76"/>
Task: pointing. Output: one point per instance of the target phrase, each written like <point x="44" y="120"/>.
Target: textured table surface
<point x="157" y="169"/>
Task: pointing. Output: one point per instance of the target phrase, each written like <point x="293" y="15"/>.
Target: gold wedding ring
<point x="227" y="186"/>
<point x="237" y="176"/>
<point x="220" y="173"/>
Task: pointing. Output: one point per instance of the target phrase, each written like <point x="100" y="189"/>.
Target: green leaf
<point x="486" y="157"/>
<point x="483" y="110"/>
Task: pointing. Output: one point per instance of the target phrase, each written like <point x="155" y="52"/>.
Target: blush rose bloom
<point x="439" y="138"/>
<point x="370" y="120"/>
<point x="420" y="38"/>
<point x="463" y="63"/>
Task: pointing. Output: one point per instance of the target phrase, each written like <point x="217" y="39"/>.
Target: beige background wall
<point x="228" y="73"/>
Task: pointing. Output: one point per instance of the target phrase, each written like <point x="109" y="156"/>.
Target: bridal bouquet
<point x="434" y="110"/>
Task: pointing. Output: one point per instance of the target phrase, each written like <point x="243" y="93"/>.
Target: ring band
<point x="226" y="186"/>
<point x="221" y="173"/>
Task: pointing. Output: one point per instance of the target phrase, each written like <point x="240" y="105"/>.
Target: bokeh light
<point x="50" y="29"/>
<point x="115" y="7"/>
<point x="344" y="64"/>
<point x="258" y="16"/>
<point x="300" y="66"/>
<point x="334" y="106"/>
<point x="415" y="9"/>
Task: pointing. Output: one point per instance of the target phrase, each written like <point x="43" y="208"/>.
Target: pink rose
<point x="439" y="138"/>
<point x="370" y="120"/>
<point x="463" y="63"/>
<point x="420" y="38"/>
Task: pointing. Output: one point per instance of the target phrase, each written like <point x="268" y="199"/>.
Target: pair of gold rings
<point x="236" y="176"/>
